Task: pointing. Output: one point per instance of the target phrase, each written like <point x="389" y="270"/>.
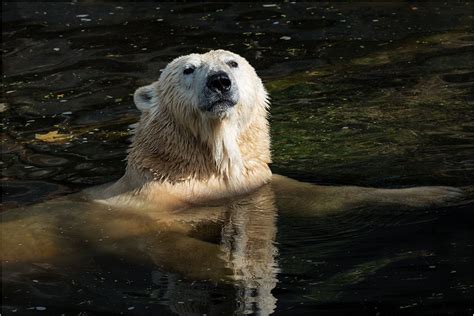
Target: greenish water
<point x="364" y="94"/>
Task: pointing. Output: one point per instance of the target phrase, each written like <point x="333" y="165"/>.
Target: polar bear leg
<point x="307" y="199"/>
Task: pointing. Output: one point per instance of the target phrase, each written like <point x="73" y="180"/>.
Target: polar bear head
<point x="216" y="85"/>
<point x="215" y="99"/>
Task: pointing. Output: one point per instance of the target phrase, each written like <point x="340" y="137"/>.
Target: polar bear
<point x="197" y="172"/>
<point x="204" y="135"/>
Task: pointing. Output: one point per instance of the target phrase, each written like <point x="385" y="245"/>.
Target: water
<point x="367" y="94"/>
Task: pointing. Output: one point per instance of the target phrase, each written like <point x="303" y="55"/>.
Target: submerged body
<point x="198" y="197"/>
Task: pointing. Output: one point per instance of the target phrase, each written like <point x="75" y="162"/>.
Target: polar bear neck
<point x="222" y="139"/>
<point x="165" y="150"/>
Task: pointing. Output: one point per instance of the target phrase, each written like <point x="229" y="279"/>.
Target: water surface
<point x="367" y="94"/>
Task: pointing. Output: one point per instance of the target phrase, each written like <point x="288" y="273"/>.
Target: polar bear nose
<point x="219" y="82"/>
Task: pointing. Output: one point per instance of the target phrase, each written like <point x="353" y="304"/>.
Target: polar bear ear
<point x="145" y="97"/>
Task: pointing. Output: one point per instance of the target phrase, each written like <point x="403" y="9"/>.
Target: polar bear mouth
<point x="219" y="106"/>
<point x="222" y="103"/>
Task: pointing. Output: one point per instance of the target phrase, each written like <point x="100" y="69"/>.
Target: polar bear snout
<point x="219" y="82"/>
<point x="220" y="94"/>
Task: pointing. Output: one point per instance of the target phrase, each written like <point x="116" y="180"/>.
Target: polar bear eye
<point x="188" y="70"/>
<point x="233" y="64"/>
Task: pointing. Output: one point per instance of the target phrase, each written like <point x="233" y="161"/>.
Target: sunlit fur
<point x="190" y="153"/>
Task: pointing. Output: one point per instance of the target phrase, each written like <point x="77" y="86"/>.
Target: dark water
<point x="367" y="94"/>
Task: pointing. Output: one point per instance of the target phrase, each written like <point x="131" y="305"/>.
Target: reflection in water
<point x="247" y="239"/>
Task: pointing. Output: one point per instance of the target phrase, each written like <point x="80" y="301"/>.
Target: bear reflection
<point x="246" y="238"/>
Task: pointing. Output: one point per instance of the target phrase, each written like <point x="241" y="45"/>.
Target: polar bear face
<point x="217" y="85"/>
<point x="205" y="116"/>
